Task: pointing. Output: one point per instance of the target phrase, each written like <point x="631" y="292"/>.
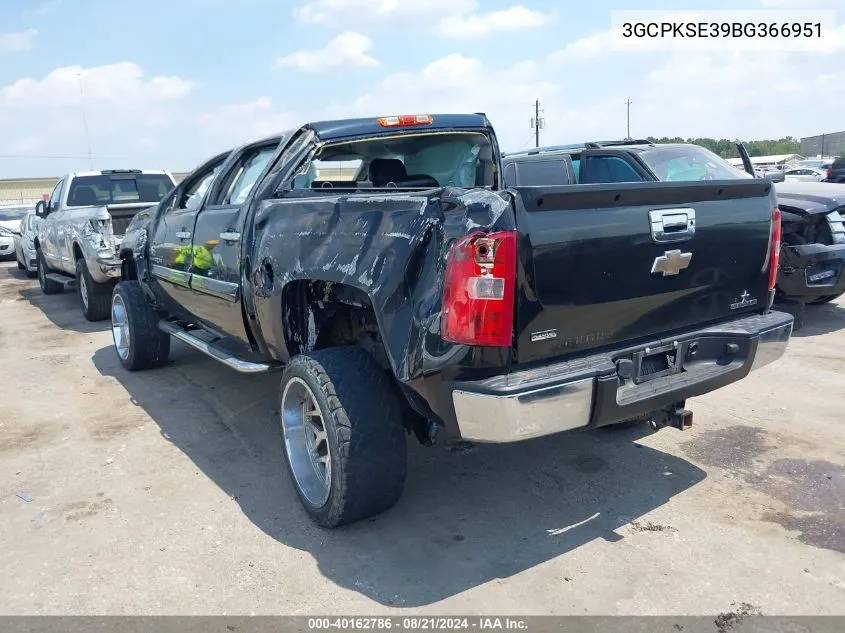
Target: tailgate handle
<point x="671" y="225"/>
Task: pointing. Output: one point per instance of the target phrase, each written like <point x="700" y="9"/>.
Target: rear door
<point x="608" y="263"/>
<point x="170" y="247"/>
<point x="217" y="243"/>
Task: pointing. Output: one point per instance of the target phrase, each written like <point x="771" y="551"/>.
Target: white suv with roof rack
<point x="84" y="222"/>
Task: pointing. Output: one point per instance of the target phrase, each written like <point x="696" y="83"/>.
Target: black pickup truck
<point x="400" y="288"/>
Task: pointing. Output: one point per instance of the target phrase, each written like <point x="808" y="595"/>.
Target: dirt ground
<point x="164" y="493"/>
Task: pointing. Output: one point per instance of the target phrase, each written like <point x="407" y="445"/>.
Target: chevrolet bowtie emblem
<point x="671" y="262"/>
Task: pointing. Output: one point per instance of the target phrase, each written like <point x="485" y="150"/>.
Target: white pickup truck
<point x="84" y="221"/>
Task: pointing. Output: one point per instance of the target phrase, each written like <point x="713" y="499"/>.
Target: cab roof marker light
<point x="405" y="120"/>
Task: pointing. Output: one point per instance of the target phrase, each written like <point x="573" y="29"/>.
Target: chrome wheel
<point x="306" y="442"/>
<point x="120" y="327"/>
<point x="83" y="291"/>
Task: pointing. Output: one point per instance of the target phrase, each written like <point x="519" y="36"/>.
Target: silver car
<point x="25" y="244"/>
<point x="10" y="226"/>
<point x="804" y="174"/>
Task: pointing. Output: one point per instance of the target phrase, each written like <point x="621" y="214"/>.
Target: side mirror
<point x="41" y="209"/>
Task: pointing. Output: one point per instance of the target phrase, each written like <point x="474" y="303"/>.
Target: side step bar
<point x="67" y="281"/>
<point x="216" y="352"/>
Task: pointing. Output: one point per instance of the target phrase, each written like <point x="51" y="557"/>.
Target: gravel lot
<point x="163" y="492"/>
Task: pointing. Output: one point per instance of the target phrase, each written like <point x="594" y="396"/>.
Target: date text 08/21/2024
<point x="425" y="623"/>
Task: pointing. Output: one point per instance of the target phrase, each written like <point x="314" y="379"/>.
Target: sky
<point x="168" y="83"/>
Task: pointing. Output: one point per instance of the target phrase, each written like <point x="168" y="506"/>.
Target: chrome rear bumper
<point x="588" y="392"/>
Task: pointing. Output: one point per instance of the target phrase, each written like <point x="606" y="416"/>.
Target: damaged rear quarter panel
<point x="392" y="247"/>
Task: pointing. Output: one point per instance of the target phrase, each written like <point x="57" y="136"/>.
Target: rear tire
<point x="138" y="342"/>
<point x="94" y="299"/>
<point x="21" y="266"/>
<point x="348" y="458"/>
<point x="48" y="286"/>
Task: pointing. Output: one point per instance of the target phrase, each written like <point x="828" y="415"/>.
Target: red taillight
<point x="478" y="290"/>
<point x="405" y="120"/>
<point x="830" y="172"/>
<point x="774" y="258"/>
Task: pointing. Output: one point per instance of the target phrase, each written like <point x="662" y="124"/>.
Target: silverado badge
<point x="671" y="262"/>
<point x="743" y="301"/>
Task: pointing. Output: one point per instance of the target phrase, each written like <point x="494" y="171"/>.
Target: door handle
<point x="671" y="225"/>
<point x="183" y="235"/>
<point x="230" y="236"/>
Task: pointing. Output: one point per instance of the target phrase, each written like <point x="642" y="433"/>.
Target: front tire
<point x="344" y="438"/>
<point x="137" y="340"/>
<point x="94" y="299"/>
<point x="48" y="286"/>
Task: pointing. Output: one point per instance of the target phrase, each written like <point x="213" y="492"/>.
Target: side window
<point x="535" y="173"/>
<point x="55" y="196"/>
<point x="247" y="175"/>
<point x="192" y="196"/>
<point x="576" y="167"/>
<point x="510" y="175"/>
<point x="609" y="169"/>
<point x="168" y="203"/>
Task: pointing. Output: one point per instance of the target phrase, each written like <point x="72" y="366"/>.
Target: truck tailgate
<point x="604" y="264"/>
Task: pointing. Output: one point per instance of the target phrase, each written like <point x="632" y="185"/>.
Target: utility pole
<point x="628" y="104"/>
<point x="822" y="156"/>
<point x="85" y="121"/>
<point x="537" y="123"/>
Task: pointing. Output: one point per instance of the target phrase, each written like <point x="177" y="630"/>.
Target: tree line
<point x="726" y="148"/>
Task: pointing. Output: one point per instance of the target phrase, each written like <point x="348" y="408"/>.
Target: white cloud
<point x="237" y="123"/>
<point x="120" y="84"/>
<point x="17" y="42"/>
<point x="480" y="25"/>
<point x="454" y="84"/>
<point x="42" y="117"/>
<point x="349" y="49"/>
<point x="583" y="48"/>
<point x="446" y="18"/>
<point x="345" y="12"/>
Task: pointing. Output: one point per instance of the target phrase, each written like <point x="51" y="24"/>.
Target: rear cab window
<point x="403" y="162"/>
<point x="117" y="188"/>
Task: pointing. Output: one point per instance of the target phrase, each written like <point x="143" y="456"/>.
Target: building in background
<point x="824" y="145"/>
<point x="777" y="160"/>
